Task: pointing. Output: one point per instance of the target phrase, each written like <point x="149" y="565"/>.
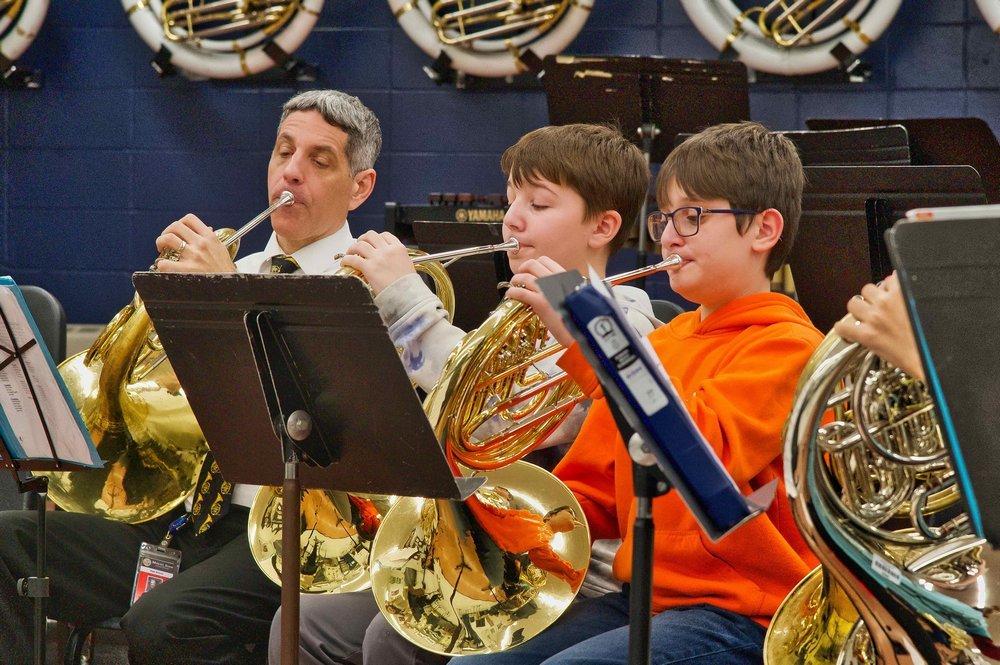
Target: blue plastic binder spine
<point x="635" y="379"/>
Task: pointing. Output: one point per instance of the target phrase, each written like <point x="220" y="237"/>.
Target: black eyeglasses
<point x="686" y="220"/>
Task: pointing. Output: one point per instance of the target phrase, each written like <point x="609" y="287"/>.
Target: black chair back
<point x="49" y="317"/>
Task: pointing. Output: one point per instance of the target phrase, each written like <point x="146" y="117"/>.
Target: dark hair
<point x="747" y="165"/>
<point x="596" y="161"/>
<point x="364" y="134"/>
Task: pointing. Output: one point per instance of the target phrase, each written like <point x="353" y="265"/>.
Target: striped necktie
<point x="284" y="264"/>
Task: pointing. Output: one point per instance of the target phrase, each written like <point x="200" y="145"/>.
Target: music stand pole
<point x="647" y="132"/>
<point x="290" y="563"/>
<point x="296" y="429"/>
<point x="648" y="482"/>
<point x="37" y="587"/>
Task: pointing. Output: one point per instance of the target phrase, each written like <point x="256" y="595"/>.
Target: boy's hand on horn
<point x="523" y="289"/>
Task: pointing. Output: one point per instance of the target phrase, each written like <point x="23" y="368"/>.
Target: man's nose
<point x="292" y="170"/>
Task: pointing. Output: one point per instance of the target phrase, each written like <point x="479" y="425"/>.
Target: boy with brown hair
<point x="729" y="201"/>
<point x="574" y="192"/>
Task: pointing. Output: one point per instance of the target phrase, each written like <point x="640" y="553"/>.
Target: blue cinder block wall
<point x="96" y="162"/>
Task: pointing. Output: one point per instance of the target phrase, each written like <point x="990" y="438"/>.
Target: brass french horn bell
<point x="446" y="587"/>
<point x="336" y="530"/>
<point x="439" y="577"/>
<point x="137" y="415"/>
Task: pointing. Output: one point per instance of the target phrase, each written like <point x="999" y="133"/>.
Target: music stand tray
<point x="633" y="91"/>
<point x="840" y="246"/>
<point x="340" y="356"/>
<point x="948" y="272"/>
<point x="941" y="141"/>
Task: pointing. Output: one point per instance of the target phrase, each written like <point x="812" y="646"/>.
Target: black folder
<point x="949" y="274"/>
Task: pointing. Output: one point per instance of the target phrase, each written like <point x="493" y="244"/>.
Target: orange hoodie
<point x="736" y="372"/>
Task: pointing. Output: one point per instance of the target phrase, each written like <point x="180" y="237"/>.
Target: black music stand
<point x="640" y="94"/>
<point x="948" y="272"/>
<point x="887" y="145"/>
<point x="475" y="278"/>
<point x="845" y="210"/>
<point x="321" y="355"/>
<point x="666" y="449"/>
<point x="26" y="361"/>
<point x="941" y="141"/>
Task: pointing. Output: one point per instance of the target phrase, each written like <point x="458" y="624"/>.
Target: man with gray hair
<point x="218" y="607"/>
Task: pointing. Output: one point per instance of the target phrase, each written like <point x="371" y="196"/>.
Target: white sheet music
<point x="23" y="429"/>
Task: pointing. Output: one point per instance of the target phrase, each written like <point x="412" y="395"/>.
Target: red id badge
<point x="156" y="565"/>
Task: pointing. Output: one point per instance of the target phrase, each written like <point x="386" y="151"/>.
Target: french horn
<point x="19" y="24"/>
<point x="222" y="39"/>
<point x="792" y="38"/>
<point x="491" y="38"/>
<point x="499" y="396"/>
<point x="137" y="415"/>
<point x="903" y="579"/>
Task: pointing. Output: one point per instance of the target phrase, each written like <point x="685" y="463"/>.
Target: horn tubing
<point x="286" y="198"/>
<point x="511" y="245"/>
<point x="669" y="262"/>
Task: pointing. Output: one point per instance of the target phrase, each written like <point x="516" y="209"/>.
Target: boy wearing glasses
<point x="729" y="201"/>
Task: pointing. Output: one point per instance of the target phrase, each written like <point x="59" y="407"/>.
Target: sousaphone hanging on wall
<point x="19" y="24"/>
<point x="492" y="38"/>
<point x="222" y="39"/>
<point x="991" y="12"/>
<point x="792" y="37"/>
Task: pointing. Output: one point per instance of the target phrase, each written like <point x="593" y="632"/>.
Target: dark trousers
<point x="218" y="609"/>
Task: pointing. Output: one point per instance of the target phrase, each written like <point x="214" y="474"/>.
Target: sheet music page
<point x="18" y="405"/>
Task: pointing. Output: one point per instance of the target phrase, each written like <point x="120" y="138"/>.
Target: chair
<point x="50" y="318"/>
<point x="884" y="146"/>
<point x="874" y="146"/>
<point x="665" y="310"/>
<point x="845" y="212"/>
<point x="78" y="643"/>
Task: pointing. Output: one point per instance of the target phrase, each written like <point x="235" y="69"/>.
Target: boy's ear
<point x="768" y="231"/>
<point x="605" y="228"/>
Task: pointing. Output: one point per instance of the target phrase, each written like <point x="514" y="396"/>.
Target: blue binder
<point x="633" y="377"/>
<point x="40" y="426"/>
